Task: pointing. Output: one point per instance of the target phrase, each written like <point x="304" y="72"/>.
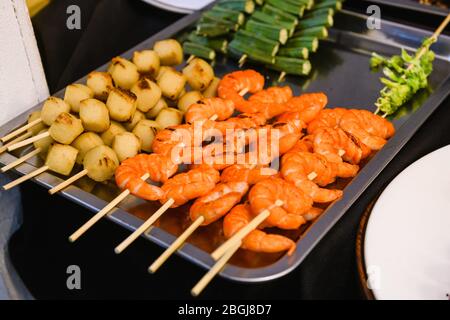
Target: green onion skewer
<point x="247" y="6"/>
<point x="311" y="43"/>
<point x="325" y="20"/>
<point x="291" y="66"/>
<point x="207" y="18"/>
<point x="319" y="12"/>
<point x="279" y="14"/>
<point x="405" y="74"/>
<point x="268" y="31"/>
<point x="195" y="49"/>
<point x="287" y="6"/>
<point x="259" y="43"/>
<point x="242" y="51"/>
<point x="299" y="52"/>
<point x="212" y="29"/>
<point x="218" y="44"/>
<point x="269" y="19"/>
<point x="308" y="4"/>
<point x="319" y="32"/>
<point x="333" y="4"/>
<point x="227" y="14"/>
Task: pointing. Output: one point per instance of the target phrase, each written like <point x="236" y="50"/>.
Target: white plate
<point x="407" y="241"/>
<point x="180" y="6"/>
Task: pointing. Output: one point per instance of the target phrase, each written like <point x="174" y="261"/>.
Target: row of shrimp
<point x="314" y="146"/>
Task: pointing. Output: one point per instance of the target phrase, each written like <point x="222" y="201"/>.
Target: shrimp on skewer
<point x="241" y="121"/>
<point x="189" y="185"/>
<point x="234" y="84"/>
<point x="245" y="172"/>
<point x="206" y="209"/>
<point x="256" y="240"/>
<point x="207" y="108"/>
<point x="295" y="203"/>
<point x="373" y="124"/>
<point x="169" y="138"/>
<point x="370" y="129"/>
<point x="307" y="106"/>
<point x="306" y="144"/>
<point x="290" y="132"/>
<point x="327" y="118"/>
<point x="160" y="168"/>
<point x="269" y="142"/>
<point x="336" y="145"/>
<point x="218" y="201"/>
<point x="176" y="192"/>
<point x="308" y="170"/>
<point x="279" y="95"/>
<point x="271" y="102"/>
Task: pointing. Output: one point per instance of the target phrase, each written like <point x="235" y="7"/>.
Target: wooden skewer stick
<point x="242" y="233"/>
<point x="191" y="57"/>
<point x="102" y="213"/>
<point x="198" y="288"/>
<point x="25" y="177"/>
<point x="15" y="163"/>
<point x="243" y="92"/>
<point x="312" y="176"/>
<point x="242" y="60"/>
<point x="68" y="182"/>
<point x="144" y="227"/>
<point x="435" y="35"/>
<point x="175" y="245"/>
<point x="18" y="139"/>
<point x="28" y="141"/>
<point x="20" y="130"/>
<point x="282" y="76"/>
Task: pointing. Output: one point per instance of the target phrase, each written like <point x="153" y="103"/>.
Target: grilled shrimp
<point x="233" y="83"/>
<point x="327" y="118"/>
<point x="169" y="138"/>
<point x="243" y="121"/>
<point x="306" y="144"/>
<point x="256" y="240"/>
<point x="307" y="170"/>
<point x="265" y="193"/>
<point x="128" y="175"/>
<point x="373" y="124"/>
<point x="190" y="185"/>
<point x="313" y="213"/>
<point x="208" y="107"/>
<point x="272" y="95"/>
<point x="245" y="172"/>
<point x="218" y="201"/>
<point x="370" y="129"/>
<point x="335" y="145"/>
<point x="307" y="106"/>
<point x="271" y="102"/>
<point x="290" y="132"/>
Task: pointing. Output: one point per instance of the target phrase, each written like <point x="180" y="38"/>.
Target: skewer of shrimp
<point x="235" y="181"/>
<point x="131" y="176"/>
<point x="175" y="192"/>
<point x="277" y="203"/>
<point x="205" y="210"/>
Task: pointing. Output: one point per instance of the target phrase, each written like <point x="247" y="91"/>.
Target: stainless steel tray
<point x="341" y="70"/>
<point x="412" y="5"/>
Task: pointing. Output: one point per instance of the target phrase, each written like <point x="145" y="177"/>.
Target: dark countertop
<point x="40" y="250"/>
